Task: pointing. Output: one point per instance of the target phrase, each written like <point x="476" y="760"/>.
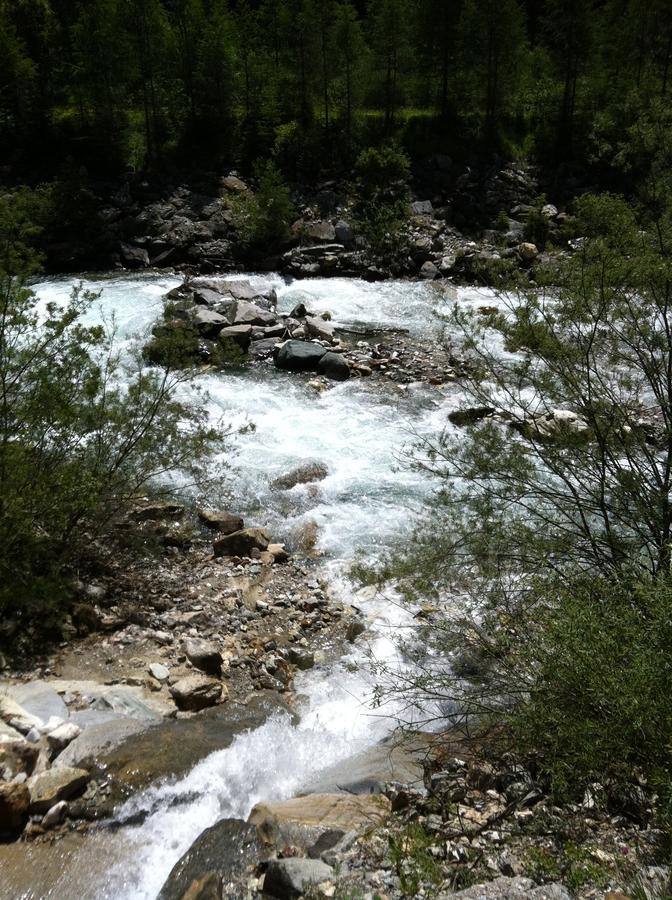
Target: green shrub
<point x="381" y="192"/>
<point x="78" y="441"/>
<point x="264" y="216"/>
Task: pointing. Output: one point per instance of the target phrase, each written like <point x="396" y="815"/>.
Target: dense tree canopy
<point x="115" y="84"/>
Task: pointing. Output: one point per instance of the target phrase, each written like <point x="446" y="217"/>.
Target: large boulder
<point x="196" y="692"/>
<point x="226" y="848"/>
<point x="334" y="367"/>
<point x="14" y="806"/>
<point x="98" y="740"/>
<point x="40" y="699"/>
<point x="221" y="520"/>
<point x="323" y="232"/>
<point x="290" y="877"/>
<point x="58" y="783"/>
<point x="208" y="322"/>
<point x="298" y="356"/>
<point x="304" y="474"/>
<point x="242" y="543"/>
<point x="134" y="257"/>
<point x="204" y="655"/>
<point x="250" y="314"/>
<point x="240" y="335"/>
<point x="319" y="328"/>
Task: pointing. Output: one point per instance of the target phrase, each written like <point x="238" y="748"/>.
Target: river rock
<point x="134" y="257"/>
<point x="250" y="314"/>
<point x="304" y="474"/>
<point x="354" y="626"/>
<point x="469" y="416"/>
<point x="61" y="736"/>
<point x="422" y="208"/>
<point x="16" y="716"/>
<point x="344" y="234"/>
<point x="528" y="252"/>
<point x="40" y="699"/>
<point x="429" y="271"/>
<point x="196" y="692"/>
<point x="334" y="366"/>
<point x="290" y="877"/>
<point x="55" y="815"/>
<point x="208" y="322"/>
<point x="242" y="543"/>
<point x="14" y="806"/>
<point x="158" y="671"/>
<point x="302" y="659"/>
<point x="17" y="756"/>
<point x="278" y="552"/>
<point x="240" y="335"/>
<point x="226" y="848"/>
<point x="317" y="327"/>
<point x="298" y="356"/>
<point x="57" y="783"/>
<point x="221" y="520"/>
<point x="97" y="740"/>
<point x="204" y="655"/>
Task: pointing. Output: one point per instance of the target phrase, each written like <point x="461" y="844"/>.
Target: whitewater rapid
<point x="362" y="432"/>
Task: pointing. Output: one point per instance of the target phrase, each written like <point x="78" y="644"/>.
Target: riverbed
<point x="363" y="431"/>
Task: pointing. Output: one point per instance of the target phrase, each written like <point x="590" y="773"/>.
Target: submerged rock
<point x="302" y="474"/>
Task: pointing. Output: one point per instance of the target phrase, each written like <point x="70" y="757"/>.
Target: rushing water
<point x="359" y="429"/>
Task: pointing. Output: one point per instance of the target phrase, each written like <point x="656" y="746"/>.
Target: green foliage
<point x="77" y="442"/>
<point x="264" y="216"/>
<point x="414" y="864"/>
<point x="571" y="865"/>
<point x="537" y="226"/>
<point x="381" y="188"/>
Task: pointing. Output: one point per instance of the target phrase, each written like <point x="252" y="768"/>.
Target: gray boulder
<point x="208" y="322"/>
<point x="240" y="335"/>
<point x="290" y="877"/>
<point x="97" y="741"/>
<point x="317" y="327"/>
<point x="298" y="356"/>
<point x="250" y="314"/>
<point x="40" y="699"/>
<point x="422" y="208"/>
<point x="344" y="233"/>
<point x="334" y="366"/>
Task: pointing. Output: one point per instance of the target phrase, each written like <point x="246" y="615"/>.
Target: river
<point x="361" y="430"/>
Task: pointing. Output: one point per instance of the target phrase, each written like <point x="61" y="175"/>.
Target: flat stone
<point x="197" y="692"/>
<point x="290" y="877"/>
<point x="57" y="783"/>
<point x="242" y="543"/>
<point x="98" y="740"/>
<point x="250" y="314"/>
<point x="221" y="520"/>
<point x="317" y="327"/>
<point x="208" y="322"/>
<point x="40" y="699"/>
